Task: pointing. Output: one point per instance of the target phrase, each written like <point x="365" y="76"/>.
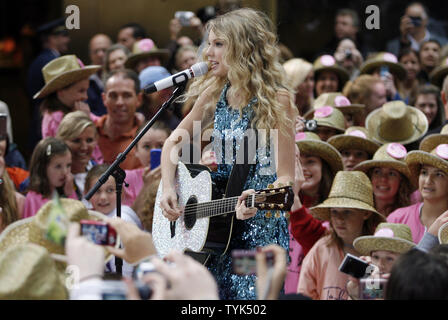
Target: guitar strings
<point x="198" y="208"/>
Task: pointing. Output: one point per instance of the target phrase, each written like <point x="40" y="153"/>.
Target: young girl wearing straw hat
<point x="320" y="162"/>
<point x="351" y="213"/>
<point x="429" y="170"/>
<point x="390" y="177"/>
<point x="382" y="249"/>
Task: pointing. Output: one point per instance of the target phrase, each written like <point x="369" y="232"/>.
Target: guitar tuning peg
<point x="281" y="205"/>
<point x="262" y="206"/>
<point x="282" y="190"/>
<point x="277" y="214"/>
<point x="270" y="186"/>
<point x="271" y="206"/>
<point x="268" y="214"/>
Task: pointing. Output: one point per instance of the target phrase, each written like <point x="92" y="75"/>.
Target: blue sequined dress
<point x="263" y="229"/>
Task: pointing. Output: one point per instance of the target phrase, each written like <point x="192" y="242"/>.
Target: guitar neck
<point x="217" y="207"/>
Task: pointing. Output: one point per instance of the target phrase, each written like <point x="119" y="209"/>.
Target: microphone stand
<point x="118" y="173"/>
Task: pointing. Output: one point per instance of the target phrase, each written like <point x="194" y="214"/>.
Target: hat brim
<point x="65" y="79"/>
<point x="366" y="244"/>
<point x="438" y="75"/>
<point x="365" y="166"/>
<point x="419" y="121"/>
<point x="352" y="108"/>
<point x="162" y="54"/>
<point x="395" y="68"/>
<point x="346" y="141"/>
<point x="416" y="159"/>
<point x="323" y="150"/>
<point x="430" y="142"/>
<point x="19" y="233"/>
<point x="322" y="211"/>
<point x="343" y="75"/>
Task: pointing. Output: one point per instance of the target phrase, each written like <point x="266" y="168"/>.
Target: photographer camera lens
<point x="310" y="125"/>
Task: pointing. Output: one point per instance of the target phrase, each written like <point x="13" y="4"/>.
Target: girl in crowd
<point x="78" y="131"/>
<point x="65" y="90"/>
<point x="427" y="100"/>
<point x="429" y="170"/>
<point x="245" y="88"/>
<point x="114" y="58"/>
<point x="50" y="171"/>
<point x="11" y="202"/>
<point x="300" y="75"/>
<point x="390" y="177"/>
<point x="329" y="76"/>
<point x="381" y="250"/>
<point x="350" y="210"/>
<point x="407" y="88"/>
<point x="320" y="162"/>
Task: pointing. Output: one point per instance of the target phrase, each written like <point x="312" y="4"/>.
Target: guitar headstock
<point x="281" y="198"/>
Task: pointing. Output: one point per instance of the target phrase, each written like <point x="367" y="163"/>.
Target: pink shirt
<point x="320" y="278"/>
<point x="50" y="125"/>
<point x="296" y="256"/>
<point x="135" y="180"/>
<point x="410" y="216"/>
<point x="34" y="201"/>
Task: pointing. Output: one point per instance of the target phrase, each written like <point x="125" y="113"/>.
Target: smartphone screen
<point x="155" y="158"/>
<point x="372" y="288"/>
<point x="244" y="262"/>
<point x="353" y="266"/>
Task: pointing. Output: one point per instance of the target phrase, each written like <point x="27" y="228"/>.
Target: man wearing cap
<point x="119" y="126"/>
<point x="97" y="49"/>
<point x="55" y="40"/>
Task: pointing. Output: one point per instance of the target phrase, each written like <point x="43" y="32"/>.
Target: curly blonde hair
<point x="254" y="69"/>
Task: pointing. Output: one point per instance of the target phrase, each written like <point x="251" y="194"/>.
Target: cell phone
<point x="372" y="288"/>
<point x="244" y="262"/>
<point x="353" y="266"/>
<point x="117" y="290"/>
<point x="416" y="21"/>
<point x="155" y="158"/>
<point x="141" y="269"/>
<point x="184" y="17"/>
<point x="3" y="121"/>
<point x="384" y="70"/>
<point x="99" y="232"/>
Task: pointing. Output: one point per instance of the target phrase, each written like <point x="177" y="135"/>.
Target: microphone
<point x="196" y="70"/>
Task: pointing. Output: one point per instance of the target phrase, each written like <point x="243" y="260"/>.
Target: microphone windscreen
<point x="199" y="69"/>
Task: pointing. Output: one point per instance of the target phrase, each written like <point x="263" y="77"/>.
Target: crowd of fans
<point x="371" y="167"/>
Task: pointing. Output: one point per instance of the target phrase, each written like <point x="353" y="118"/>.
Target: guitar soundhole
<point x="190" y="213"/>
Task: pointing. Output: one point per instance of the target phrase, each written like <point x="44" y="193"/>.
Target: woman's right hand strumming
<point x="169" y="205"/>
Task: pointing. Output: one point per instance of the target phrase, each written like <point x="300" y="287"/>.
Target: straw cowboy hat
<point x="33" y="229"/>
<point x="27" y="272"/>
<point x="145" y="48"/>
<point x="439" y="73"/>
<point x="336" y="100"/>
<point x="394" y="237"/>
<point x="396" y="122"/>
<point x="310" y="143"/>
<point x="443" y="233"/>
<point x="62" y="72"/>
<point x="357" y="138"/>
<point x="381" y="59"/>
<point x="328" y="63"/>
<point x="328" y="117"/>
<point x="350" y="189"/>
<point x="433" y="140"/>
<point x="390" y="155"/>
<point x="437" y="158"/>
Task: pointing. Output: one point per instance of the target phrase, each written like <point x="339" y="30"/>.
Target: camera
<point x="184" y="17"/>
<point x="348" y="54"/>
<point x="353" y="266"/>
<point x="244" y="262"/>
<point x="99" y="232"/>
<point x="372" y="288"/>
<point x="310" y="125"/>
<point x="117" y="290"/>
<point x="416" y="21"/>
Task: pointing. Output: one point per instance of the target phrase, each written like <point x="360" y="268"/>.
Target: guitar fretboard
<point x="216" y="207"/>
